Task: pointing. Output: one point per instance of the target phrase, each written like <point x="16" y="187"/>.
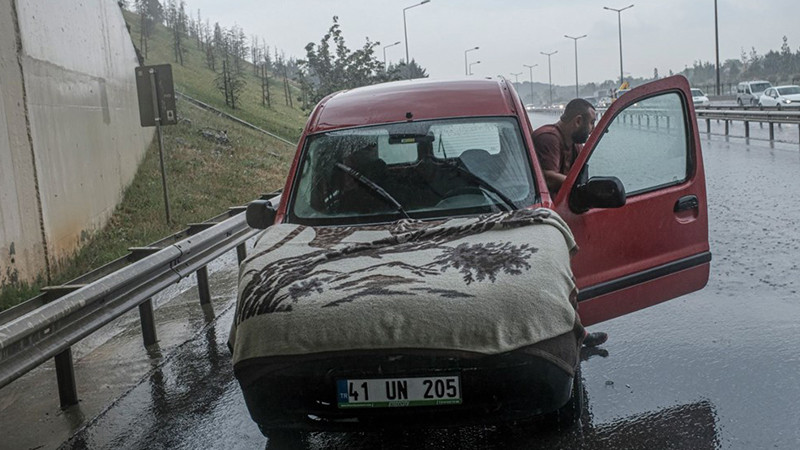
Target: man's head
<point x="578" y="120"/>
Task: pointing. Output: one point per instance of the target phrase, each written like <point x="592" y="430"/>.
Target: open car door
<point x="655" y="246"/>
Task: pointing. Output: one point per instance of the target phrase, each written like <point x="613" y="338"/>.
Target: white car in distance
<point x="781" y="97"/>
<point x="699" y="98"/>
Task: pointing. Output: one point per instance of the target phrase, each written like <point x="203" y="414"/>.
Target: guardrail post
<point x="148" y="322"/>
<point x="202" y="285"/>
<point x="656" y="121"/>
<point x="727" y="123"/>
<point x="668" y="122"/>
<point x="771" y="131"/>
<point x="708" y="126"/>
<point x="648" y="121"/>
<point x="241" y="252"/>
<point x="65" y="374"/>
<point x="746" y="129"/>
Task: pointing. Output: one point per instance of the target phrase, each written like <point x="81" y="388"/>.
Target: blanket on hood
<point x="485" y="284"/>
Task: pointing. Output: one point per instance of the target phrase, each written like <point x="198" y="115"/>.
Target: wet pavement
<point x="714" y="369"/>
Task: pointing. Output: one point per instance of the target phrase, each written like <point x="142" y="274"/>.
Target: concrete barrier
<point x="70" y="139"/>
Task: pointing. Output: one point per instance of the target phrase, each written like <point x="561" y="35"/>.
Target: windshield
<point x="697" y="93"/>
<point x="760" y="87"/>
<point x="415" y="169"/>
<point x="789" y="90"/>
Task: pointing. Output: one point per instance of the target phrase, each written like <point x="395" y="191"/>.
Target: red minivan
<point x="416" y="270"/>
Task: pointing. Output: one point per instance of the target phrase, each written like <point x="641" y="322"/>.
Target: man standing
<point x="557" y="145"/>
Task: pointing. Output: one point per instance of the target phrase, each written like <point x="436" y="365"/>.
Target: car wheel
<point x="284" y="438"/>
<point x="779" y="107"/>
<point x="570" y="414"/>
<point x="739" y="101"/>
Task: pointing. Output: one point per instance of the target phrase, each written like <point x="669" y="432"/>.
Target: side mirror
<point x="598" y="192"/>
<point x="260" y="214"/>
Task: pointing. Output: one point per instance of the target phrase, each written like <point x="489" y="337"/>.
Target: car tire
<point x="779" y="107"/>
<point x="739" y="101"/>
<point x="570" y="414"/>
<point x="284" y="438"/>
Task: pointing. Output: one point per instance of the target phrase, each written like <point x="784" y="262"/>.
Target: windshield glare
<point x="789" y="90"/>
<point x="697" y="93"/>
<point x="415" y="169"/>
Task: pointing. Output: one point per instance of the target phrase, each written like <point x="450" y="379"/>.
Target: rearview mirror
<point x="598" y="192"/>
<point x="260" y="214"/>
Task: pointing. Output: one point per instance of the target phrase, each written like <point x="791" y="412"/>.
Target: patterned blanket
<point x="487" y="284"/>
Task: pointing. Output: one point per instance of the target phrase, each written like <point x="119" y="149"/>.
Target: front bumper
<point x="513" y="386"/>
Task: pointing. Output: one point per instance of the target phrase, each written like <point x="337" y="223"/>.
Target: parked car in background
<point x="748" y="92"/>
<point x="417" y="271"/>
<point x="699" y="98"/>
<point x="781" y="97"/>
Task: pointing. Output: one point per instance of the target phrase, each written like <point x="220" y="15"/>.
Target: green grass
<point x="204" y="177"/>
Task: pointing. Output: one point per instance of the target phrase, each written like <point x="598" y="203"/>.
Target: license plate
<point x="398" y="392"/>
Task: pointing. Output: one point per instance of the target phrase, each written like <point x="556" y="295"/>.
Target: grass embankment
<point x="204" y="176"/>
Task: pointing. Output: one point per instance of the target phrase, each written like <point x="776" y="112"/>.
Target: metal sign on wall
<point x="160" y="78"/>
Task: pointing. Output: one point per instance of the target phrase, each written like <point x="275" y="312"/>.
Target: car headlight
<point x="787" y="101"/>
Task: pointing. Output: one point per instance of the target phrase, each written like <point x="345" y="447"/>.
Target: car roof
<point x="787" y="86"/>
<point x="423" y="98"/>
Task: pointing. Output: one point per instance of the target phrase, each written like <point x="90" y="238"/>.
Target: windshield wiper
<point x="364" y="181"/>
<point x="486" y="186"/>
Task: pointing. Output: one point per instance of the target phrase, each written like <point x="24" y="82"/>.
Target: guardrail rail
<point x="48" y="325"/>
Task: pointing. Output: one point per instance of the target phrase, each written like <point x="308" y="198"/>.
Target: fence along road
<point x="48" y="325"/>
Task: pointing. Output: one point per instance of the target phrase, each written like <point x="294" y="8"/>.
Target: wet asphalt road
<point x="719" y="368"/>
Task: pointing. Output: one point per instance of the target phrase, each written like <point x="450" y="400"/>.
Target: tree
<point x="330" y="66"/>
<point x="150" y="12"/>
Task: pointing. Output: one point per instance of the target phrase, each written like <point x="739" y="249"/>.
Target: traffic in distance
<point x="417" y="269"/>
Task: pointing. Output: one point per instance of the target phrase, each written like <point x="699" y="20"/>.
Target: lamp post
<point x="531" y="70"/>
<point x="619" y="21"/>
<point x="470" y="67"/>
<point x="550" y="73"/>
<point x="466" y="66"/>
<point x="384" y="52"/>
<point x="516" y="77"/>
<point x="575" y="39"/>
<point x="716" y="35"/>
<point x="405" y="29"/>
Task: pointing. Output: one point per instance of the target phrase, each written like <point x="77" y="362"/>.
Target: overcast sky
<point x="663" y="34"/>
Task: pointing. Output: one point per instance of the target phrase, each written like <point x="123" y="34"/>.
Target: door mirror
<point x="598" y="192"/>
<point x="260" y="214"/>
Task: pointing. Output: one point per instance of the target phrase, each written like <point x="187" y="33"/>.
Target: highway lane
<point x="717" y="368"/>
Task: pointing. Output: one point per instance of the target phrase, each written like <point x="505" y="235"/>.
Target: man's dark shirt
<point x="551" y="149"/>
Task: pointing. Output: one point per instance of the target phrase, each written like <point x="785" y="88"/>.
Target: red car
<point x="416" y="270"/>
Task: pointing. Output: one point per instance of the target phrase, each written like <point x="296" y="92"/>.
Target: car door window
<point x="645" y="146"/>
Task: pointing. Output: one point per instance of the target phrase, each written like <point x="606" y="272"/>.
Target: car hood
<point x="486" y="284"/>
<point x="792" y="97"/>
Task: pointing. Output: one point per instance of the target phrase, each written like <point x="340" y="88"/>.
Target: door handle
<point x="686" y="203"/>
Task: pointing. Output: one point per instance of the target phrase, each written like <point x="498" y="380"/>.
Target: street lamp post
<point x="716" y="35"/>
<point x="470" y="67"/>
<point x="531" y="70"/>
<point x="405" y="29"/>
<point x="575" y="39"/>
<point x="550" y="74"/>
<point x="384" y="52"/>
<point x="516" y="77"/>
<point x="466" y="66"/>
<point x="619" y="22"/>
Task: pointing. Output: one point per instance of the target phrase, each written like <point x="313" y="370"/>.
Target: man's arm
<point x="554" y="180"/>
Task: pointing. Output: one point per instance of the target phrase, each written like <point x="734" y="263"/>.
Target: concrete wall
<point x="72" y="140"/>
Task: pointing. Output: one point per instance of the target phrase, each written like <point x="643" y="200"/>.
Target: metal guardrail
<point x="747" y="115"/>
<point x="48" y="325"/>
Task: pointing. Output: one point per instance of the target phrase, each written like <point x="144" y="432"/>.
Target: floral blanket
<point x="485" y="284"/>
